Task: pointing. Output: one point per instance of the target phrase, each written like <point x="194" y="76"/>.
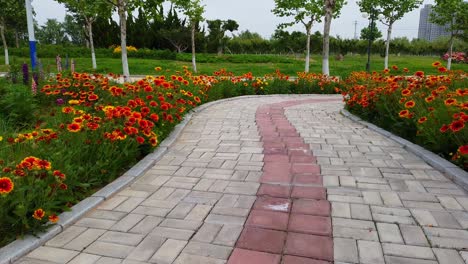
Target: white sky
<point x="256" y="16"/>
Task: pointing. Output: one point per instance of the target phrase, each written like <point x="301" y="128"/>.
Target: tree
<point x="217" y="33"/>
<point x="52" y="32"/>
<point x="303" y="11"/>
<point x="453" y="13"/>
<point x="194" y="10"/>
<point x="75" y="30"/>
<point x="373" y="32"/>
<point x="332" y="10"/>
<point x="391" y="11"/>
<point x="11" y="12"/>
<point x="88" y="11"/>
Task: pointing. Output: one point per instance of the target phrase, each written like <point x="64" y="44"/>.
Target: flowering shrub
<point x="457" y="57"/>
<point x="429" y="110"/>
<point x="92" y="130"/>
<point x="130" y="49"/>
<point x="29" y="195"/>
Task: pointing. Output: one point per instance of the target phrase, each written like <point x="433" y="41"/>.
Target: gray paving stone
<point x="109" y="249"/>
<point x="389" y="233"/>
<point x="228" y="235"/>
<point x="413" y="235"/>
<point x="146" y="225"/>
<point x="194" y="259"/>
<point x="121" y="238"/>
<point x="84" y="258"/>
<point x="84" y="239"/>
<point x="146" y="249"/>
<point x="179" y="234"/>
<point x="95" y="223"/>
<point x="408" y="251"/>
<point x="370" y="252"/>
<point x="56" y="255"/>
<point x="168" y="252"/>
<point x="345" y="250"/>
<point x="127" y="223"/>
<point x="66" y="236"/>
<point x="208" y="250"/>
<point x="401" y="260"/>
<point x="358" y="234"/>
<point x="447" y="256"/>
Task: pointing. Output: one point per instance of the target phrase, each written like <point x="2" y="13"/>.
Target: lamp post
<point x="32" y="39"/>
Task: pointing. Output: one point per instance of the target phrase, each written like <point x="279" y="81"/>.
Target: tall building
<point x="428" y="30"/>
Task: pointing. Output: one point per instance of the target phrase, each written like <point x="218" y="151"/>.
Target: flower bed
<point x="81" y="131"/>
<point x="428" y="110"/>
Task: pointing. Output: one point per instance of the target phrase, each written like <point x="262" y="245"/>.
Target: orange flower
<point x="429" y="99"/>
<point x="38" y="214"/>
<point x="404" y="113"/>
<point x="405" y="70"/>
<point x="422" y="120"/>
<point x="74" y="127"/>
<point x="410" y="104"/>
<point x="6" y="185"/>
<point x="394" y="67"/>
<point x="158" y="69"/>
<point x="436" y="64"/>
<point x="406" y="92"/>
<point x="457" y="126"/>
<point x="53" y="218"/>
<point x="93" y="97"/>
<point x="153" y="141"/>
<point x="463" y="150"/>
<point x="197" y="99"/>
<point x="450" y="101"/>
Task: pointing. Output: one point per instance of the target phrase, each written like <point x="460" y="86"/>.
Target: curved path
<point x="278" y="179"/>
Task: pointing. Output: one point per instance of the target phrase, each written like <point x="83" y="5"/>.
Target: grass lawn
<point x="338" y="68"/>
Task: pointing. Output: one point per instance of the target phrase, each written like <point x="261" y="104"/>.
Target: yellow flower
<point x="73" y="102"/>
<point x="1" y="138"/>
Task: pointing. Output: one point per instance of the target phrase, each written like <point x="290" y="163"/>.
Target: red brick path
<point x="290" y="221"/>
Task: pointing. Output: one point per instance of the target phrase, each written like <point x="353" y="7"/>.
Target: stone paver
<point x="278" y="179"/>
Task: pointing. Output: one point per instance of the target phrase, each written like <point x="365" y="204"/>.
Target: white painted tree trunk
<point x="91" y="44"/>
<point x="326" y="41"/>
<point x="123" y="39"/>
<point x="194" y="60"/>
<point x="307" y="60"/>
<point x="5" y="46"/>
<point x="449" y="60"/>
<point x="387" y="44"/>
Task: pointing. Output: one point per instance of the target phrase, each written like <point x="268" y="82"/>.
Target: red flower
<point x="419" y="74"/>
<point x="6" y="185"/>
<point x="422" y="120"/>
<point x="463" y="150"/>
<point x="457" y="126"/>
<point x="63" y="186"/>
<point x="444" y="128"/>
<point x="442" y="69"/>
<point x="53" y="218"/>
<point x="140" y="140"/>
<point x="450" y="101"/>
<point x="74" y="127"/>
<point x="93" y="97"/>
<point x="410" y="104"/>
<point x="38" y="214"/>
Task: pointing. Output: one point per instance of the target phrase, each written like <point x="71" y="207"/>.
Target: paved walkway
<point x="282" y="179"/>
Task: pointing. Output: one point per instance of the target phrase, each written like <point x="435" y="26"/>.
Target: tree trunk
<point x="5" y="47"/>
<point x="17" y="38"/>
<point x="449" y="60"/>
<point x="387" y="44"/>
<point x="326" y="39"/>
<point x="307" y="60"/>
<point x="194" y="61"/>
<point x="91" y="43"/>
<point x="123" y="38"/>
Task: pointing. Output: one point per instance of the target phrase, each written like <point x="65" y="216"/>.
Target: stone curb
<point x="451" y="171"/>
<point x="19" y="248"/>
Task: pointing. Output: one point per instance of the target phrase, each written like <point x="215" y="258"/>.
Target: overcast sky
<point x="256" y="16"/>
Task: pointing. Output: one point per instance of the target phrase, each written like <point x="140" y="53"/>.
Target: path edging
<point x="21" y="247"/>
<point x="450" y="170"/>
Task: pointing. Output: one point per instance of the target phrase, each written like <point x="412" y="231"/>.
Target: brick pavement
<point x="220" y="181"/>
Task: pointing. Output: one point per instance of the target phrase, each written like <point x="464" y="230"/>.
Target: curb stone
<point x="19" y="248"/>
<point x="450" y="170"/>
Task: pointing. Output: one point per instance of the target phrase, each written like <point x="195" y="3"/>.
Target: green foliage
<point x="18" y="105"/>
<point x="52" y="32"/>
<point x="373" y="32"/>
<point x="453" y="13"/>
<point x="216" y="38"/>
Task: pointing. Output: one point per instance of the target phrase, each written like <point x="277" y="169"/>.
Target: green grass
<point x="291" y="66"/>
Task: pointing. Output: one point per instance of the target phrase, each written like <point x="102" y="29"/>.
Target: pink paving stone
<point x="297" y="152"/>
<point x="267" y="203"/>
<point x="293" y="139"/>
<point x="274" y="190"/>
<point x="267" y="139"/>
<point x="317" y="193"/>
<point x="276" y="158"/>
<point x="288" y="134"/>
<point x="274" y="145"/>
<point x="277" y="167"/>
<point x="303" y="159"/>
<point x="268" y="219"/>
<point x="309" y="246"/>
<point x="299" y="168"/>
<point x="275" y="151"/>
<point x="276" y="177"/>
<point x="311" y="207"/>
<point x="259" y="239"/>
<point x="310" y="224"/>
<point x="308" y="179"/>
<point x="300" y="260"/>
<point x="243" y="256"/>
